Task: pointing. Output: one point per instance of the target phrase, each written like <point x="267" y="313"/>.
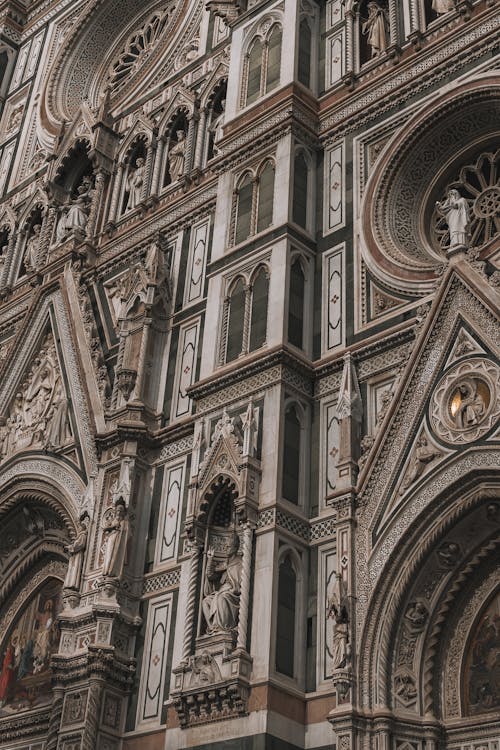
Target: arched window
<point x="265" y="197"/>
<point x="244" y="209"/>
<point x="304" y="56"/>
<point x="254" y="71"/>
<point x="285" y="624"/>
<point x="296" y="300"/>
<point x="262" y="65"/>
<point x="273" y="59"/>
<point x="300" y="189"/>
<point x="236" y="321"/>
<point x="291" y="456"/>
<point x="254" y="203"/>
<point x="258" y="319"/>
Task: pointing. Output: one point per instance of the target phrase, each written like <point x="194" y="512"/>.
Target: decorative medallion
<point x="465" y="404"/>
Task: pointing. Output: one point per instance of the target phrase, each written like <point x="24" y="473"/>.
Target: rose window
<point x="479" y="184"/>
<point x="137" y="48"/>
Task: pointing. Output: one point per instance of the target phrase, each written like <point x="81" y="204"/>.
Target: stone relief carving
<point x="424" y="453"/>
<point x="465" y="403"/>
<point x="375" y="28"/>
<point x="38" y="416"/>
<point x="204" y="670"/>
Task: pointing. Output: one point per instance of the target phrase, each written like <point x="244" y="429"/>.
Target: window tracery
<point x="244" y="317"/>
<point x="137" y="48"/>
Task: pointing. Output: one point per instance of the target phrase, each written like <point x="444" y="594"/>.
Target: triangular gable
<point x="43" y="404"/>
<point x="465" y="301"/>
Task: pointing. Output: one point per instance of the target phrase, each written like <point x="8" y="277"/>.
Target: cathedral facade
<point x="249" y="375"/>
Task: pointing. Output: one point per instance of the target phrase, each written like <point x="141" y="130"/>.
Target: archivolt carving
<point x="412" y="174"/>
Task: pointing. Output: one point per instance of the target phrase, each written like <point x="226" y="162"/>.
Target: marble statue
<point x="134" y="184"/>
<point x="216" y="129"/>
<point x="176" y="156"/>
<point x="442" y="6"/>
<point x="375" y="29"/>
<point x="31" y="249"/>
<point x="115" y="530"/>
<point x="76" y="551"/>
<point x="59" y="432"/>
<point x="221" y="598"/>
<point x="455" y="210"/>
<point x="75" y="216"/>
<point x="337" y="610"/>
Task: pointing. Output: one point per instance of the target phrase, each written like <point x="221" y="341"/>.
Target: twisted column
<point x="246" y="566"/>
<point x="188" y="154"/>
<point x="200" y="139"/>
<point x="116" y="193"/>
<point x="349" y="42"/>
<point x="148" y="170"/>
<point x="191" y="603"/>
<point x="158" y="163"/>
<point x="223" y="332"/>
<point x="246" y="320"/>
<point x="7" y="260"/>
<point x="14" y="260"/>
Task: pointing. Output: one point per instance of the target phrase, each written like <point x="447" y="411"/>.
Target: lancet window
<point x="302" y="206"/>
<point x="296" y="302"/>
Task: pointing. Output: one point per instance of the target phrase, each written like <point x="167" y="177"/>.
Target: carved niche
<point x="212" y="680"/>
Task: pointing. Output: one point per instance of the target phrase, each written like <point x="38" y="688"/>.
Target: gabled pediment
<point x="448" y="400"/>
<point x="43" y="404"/>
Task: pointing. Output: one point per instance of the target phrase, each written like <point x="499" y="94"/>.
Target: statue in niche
<point x="455" y="210"/>
<point x="115" y="531"/>
<point x="337" y="610"/>
<point x="375" y="28"/>
<point x="442" y="6"/>
<point x="470" y="405"/>
<point x="31" y="249"/>
<point x="221" y="596"/>
<point x="176" y="157"/>
<point x="76" y="551"/>
<point x="75" y="216"/>
<point x="216" y="128"/>
<point x="134" y="184"/>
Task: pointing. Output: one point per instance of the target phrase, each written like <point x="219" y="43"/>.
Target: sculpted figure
<point x="424" y="454"/>
<point x="375" y="29"/>
<point x="442" y="6"/>
<point x="176" y="157"/>
<point x="472" y="406"/>
<point x="75" y="217"/>
<point x="76" y="551"/>
<point x="217" y="128"/>
<point x="116" y="533"/>
<point x="337" y="610"/>
<point x="134" y="184"/>
<point x="59" y="432"/>
<point x="31" y="249"/>
<point x="455" y="210"/>
<point x="221" y="598"/>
